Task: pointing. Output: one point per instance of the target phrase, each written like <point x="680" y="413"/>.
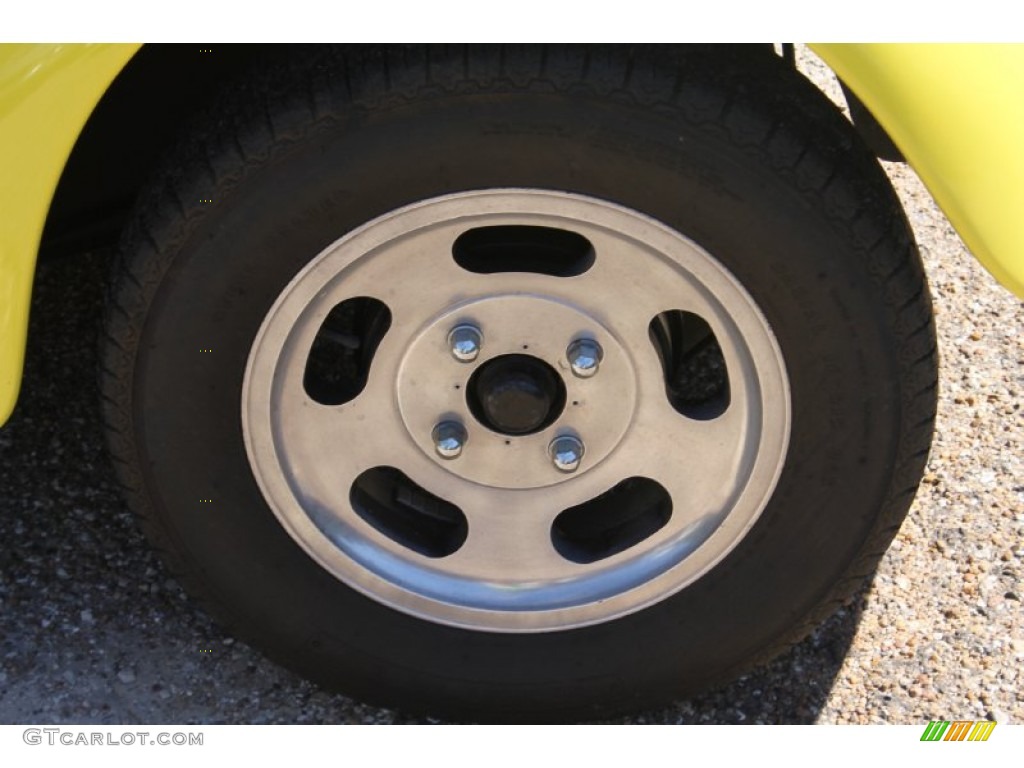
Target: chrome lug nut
<point x="465" y="342"/>
<point x="584" y="357"/>
<point x="449" y="438"/>
<point x="566" y="453"/>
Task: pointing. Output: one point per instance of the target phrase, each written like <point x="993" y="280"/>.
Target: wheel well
<point x="875" y="136"/>
<point x="159" y="91"/>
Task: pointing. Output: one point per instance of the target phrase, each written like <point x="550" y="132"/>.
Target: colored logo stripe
<point x="958" y="730"/>
<point x="982" y="730"/>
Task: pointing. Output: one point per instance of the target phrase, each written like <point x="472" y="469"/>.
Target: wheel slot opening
<point x="618" y="519"/>
<point x="544" y="250"/>
<point x="406" y="513"/>
<point x="343" y="349"/>
<point x="696" y="376"/>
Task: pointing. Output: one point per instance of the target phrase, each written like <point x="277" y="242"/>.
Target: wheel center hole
<point x="516" y="394"/>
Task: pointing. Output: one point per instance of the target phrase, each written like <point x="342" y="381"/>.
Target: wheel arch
<point x="39" y="83"/>
<point x="131" y="102"/>
<point x="954" y="111"/>
<point x="83" y="126"/>
<point x="159" y="91"/>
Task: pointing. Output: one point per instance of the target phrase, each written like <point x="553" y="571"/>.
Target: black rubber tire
<point x="725" y="145"/>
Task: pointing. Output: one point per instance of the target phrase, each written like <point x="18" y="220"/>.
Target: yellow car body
<point x="47" y="93"/>
<point x="954" y="111"/>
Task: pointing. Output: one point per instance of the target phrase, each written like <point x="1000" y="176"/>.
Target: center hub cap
<point x="520" y="393"/>
<point x="516" y="394"/>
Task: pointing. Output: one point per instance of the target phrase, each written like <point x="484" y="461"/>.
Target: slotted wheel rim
<point x="498" y="537"/>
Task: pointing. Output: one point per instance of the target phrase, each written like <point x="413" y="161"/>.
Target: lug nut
<point x="465" y="342"/>
<point x="449" y="438"/>
<point x="584" y="357"/>
<point x="566" y="453"/>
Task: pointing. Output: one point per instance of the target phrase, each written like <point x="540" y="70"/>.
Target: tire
<point x="765" y="385"/>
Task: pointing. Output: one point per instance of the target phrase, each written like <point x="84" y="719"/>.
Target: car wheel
<point x="521" y="383"/>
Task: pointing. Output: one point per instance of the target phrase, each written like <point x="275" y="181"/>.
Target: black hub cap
<point x="516" y="394"/>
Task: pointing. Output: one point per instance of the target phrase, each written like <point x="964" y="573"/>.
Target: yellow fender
<point x="957" y="113"/>
<point x="47" y="93"/>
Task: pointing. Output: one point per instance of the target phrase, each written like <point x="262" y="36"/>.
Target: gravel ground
<point x="93" y="629"/>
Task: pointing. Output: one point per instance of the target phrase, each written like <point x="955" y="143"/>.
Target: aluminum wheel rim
<point x="507" y="576"/>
